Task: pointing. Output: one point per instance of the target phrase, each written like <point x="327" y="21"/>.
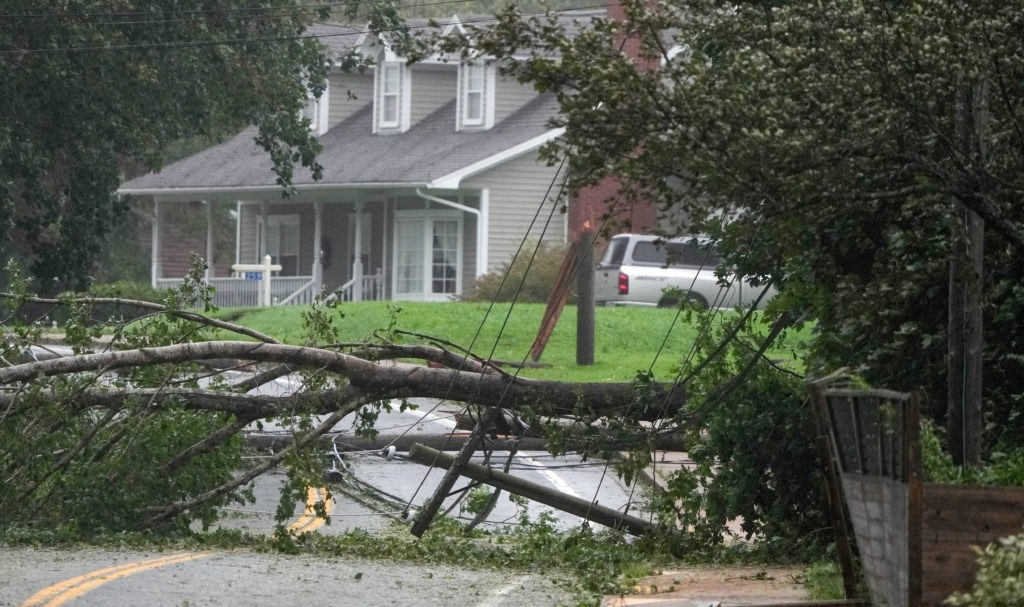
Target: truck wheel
<point x="673" y="302"/>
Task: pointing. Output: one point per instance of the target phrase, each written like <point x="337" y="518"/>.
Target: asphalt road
<point x="373" y="491"/>
<point x="106" y="578"/>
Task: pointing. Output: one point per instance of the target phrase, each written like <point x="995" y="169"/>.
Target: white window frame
<point x="317" y="112"/>
<point x="476" y="79"/>
<point x="426" y="277"/>
<point x="387" y="70"/>
<point x="392" y="86"/>
<point x="473" y="93"/>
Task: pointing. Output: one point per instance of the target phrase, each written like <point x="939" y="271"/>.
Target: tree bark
<point x="372" y="381"/>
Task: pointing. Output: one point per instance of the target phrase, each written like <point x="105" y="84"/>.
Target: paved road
<point x="401" y="484"/>
<point x="377" y="489"/>
<point x="104" y="578"/>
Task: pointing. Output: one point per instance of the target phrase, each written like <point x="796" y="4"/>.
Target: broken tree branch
<point x="378" y="381"/>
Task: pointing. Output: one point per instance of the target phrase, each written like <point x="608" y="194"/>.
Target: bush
<point x="750" y="438"/>
<point x="1001" y="468"/>
<point x="532" y="275"/>
<point x="1000" y="578"/>
<point x="46" y="313"/>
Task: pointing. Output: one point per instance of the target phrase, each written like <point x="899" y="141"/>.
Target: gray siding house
<point x="431" y="178"/>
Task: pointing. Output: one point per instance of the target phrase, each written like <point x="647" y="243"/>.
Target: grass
<point x="627" y="340"/>
<point x="824" y="582"/>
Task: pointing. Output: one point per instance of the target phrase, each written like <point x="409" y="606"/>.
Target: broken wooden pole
<point x="455" y="466"/>
<point x="582" y="508"/>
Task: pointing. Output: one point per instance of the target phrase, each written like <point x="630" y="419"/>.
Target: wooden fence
<point x="914" y="538"/>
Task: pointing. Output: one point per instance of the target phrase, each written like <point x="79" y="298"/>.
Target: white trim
<point x="453" y="180"/>
<point x="481" y="215"/>
<point x="192" y="194"/>
<point x="384" y="118"/>
<point x="452" y="25"/>
<point x="155" y="253"/>
<point x="320" y="120"/>
<point x="238" y="231"/>
<point x="466" y="71"/>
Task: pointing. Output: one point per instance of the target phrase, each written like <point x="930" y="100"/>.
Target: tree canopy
<point x="87" y="86"/>
<point x="830" y="147"/>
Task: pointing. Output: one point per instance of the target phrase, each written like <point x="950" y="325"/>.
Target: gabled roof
<point x="339" y="39"/>
<point x="431" y="154"/>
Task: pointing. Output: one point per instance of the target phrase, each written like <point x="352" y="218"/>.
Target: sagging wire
<point x="494" y="299"/>
<point x="360" y="491"/>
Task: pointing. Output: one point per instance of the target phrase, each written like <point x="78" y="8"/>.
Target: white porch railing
<point x="231" y="292"/>
<point x="373" y="288"/>
<point x="301" y="296"/>
<point x="237" y="292"/>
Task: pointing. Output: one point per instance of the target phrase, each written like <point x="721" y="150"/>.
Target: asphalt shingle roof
<point x="353" y="156"/>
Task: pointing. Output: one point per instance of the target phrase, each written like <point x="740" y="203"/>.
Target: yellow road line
<point x="309" y="521"/>
<point x="62" y="592"/>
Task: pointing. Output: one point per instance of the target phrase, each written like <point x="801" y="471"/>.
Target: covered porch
<point x="411" y="245"/>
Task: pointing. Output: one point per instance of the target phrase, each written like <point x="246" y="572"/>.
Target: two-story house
<point x="431" y="178"/>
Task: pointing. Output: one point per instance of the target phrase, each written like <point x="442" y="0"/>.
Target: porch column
<point x="482" y="242"/>
<point x="156" y="270"/>
<point x="209" y="240"/>
<point x="238" y="231"/>
<point x="264" y="217"/>
<point x="357" y="246"/>
<point x="318" y="253"/>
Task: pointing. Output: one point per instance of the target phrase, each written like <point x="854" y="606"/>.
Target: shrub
<point x="533" y="274"/>
<point x="1000" y="578"/>
<point x="750" y="437"/>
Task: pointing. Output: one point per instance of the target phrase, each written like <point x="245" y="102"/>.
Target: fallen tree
<point x="146" y="430"/>
<point x="364" y="380"/>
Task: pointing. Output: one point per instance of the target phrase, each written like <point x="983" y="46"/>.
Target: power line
<point x="222" y="11"/>
<point x="242" y="41"/>
<point x="192" y="11"/>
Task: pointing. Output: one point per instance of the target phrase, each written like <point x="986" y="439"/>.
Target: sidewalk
<point x="710" y="586"/>
<point x="717" y="586"/>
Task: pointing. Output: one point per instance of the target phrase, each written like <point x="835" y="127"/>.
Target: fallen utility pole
<point x="603" y="515"/>
<point x="455" y="467"/>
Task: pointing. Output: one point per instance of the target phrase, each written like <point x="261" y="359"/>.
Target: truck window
<point x="674" y="254"/>
<point x="615" y="253"/>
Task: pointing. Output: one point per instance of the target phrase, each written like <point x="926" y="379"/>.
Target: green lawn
<point x="626" y="339"/>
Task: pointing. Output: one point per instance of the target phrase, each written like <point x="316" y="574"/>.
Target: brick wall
<point x="180" y="239"/>
<point x="589" y="207"/>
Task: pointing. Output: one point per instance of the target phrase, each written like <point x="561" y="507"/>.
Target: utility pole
<point x="585" y="300"/>
<point x="966" y="289"/>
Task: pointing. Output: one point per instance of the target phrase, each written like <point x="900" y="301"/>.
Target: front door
<point x="428" y="255"/>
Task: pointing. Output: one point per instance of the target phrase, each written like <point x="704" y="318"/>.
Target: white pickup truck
<point x="645" y="270"/>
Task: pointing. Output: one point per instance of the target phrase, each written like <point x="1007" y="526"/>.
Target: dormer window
<point x="391" y="90"/>
<point x="473" y="104"/>
<point x="476" y="96"/>
<point x="393" y="96"/>
<point x="316" y="112"/>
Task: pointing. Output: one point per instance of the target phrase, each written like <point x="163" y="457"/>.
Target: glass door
<point x="428" y="256"/>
